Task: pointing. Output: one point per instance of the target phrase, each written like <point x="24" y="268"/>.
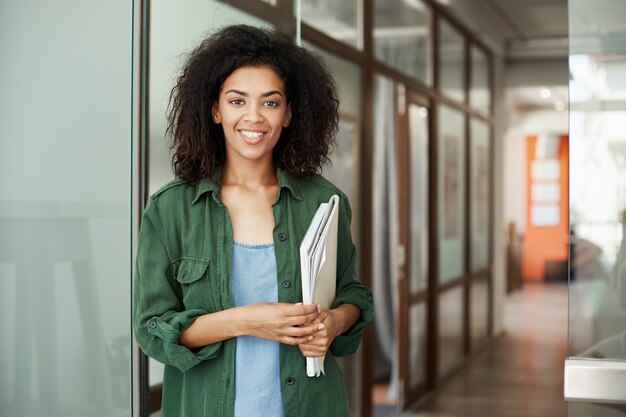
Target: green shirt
<point x="183" y="270"/>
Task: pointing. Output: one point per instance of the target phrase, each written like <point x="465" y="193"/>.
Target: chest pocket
<point x="199" y="292"/>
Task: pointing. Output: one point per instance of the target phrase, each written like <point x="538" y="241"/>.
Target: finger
<point x="301" y="331"/>
<point x="300" y="320"/>
<point x="294" y="341"/>
<point x="292" y="310"/>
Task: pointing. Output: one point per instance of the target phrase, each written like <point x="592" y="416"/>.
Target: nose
<point x="253" y="114"/>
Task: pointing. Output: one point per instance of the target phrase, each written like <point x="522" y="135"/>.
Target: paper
<point x="318" y="264"/>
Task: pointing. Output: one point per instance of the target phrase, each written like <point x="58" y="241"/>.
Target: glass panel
<point x="479" y="314"/>
<point x="169" y="44"/>
<point x="451" y="193"/>
<point x="598" y="179"/>
<point x="480" y="195"/>
<point x="480" y="91"/>
<point x="65" y="181"/>
<point x="417" y="345"/>
<point x="402" y="37"/>
<point x="341" y="20"/>
<point x="451" y="61"/>
<point x="418" y="148"/>
<point x="450" y="329"/>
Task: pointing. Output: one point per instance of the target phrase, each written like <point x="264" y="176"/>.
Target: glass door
<point x="595" y="371"/>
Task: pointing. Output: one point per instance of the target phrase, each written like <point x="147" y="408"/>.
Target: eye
<point x="236" y="101"/>
<point x="272" y="103"/>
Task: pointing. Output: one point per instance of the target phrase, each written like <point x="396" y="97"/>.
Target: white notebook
<point x="318" y="264"/>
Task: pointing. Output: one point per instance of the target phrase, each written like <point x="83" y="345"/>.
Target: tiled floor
<point x="522" y="374"/>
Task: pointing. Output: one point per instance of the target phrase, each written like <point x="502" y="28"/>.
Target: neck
<point x="249" y="173"/>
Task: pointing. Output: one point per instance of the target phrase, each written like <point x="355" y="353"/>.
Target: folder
<point x="318" y="265"/>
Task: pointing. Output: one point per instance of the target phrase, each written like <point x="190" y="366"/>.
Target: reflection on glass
<point x="450" y="329"/>
<point x="451" y="193"/>
<point x="418" y="166"/>
<point x="341" y="20"/>
<point x="169" y="44"/>
<point x="402" y="37"/>
<point x="65" y="176"/>
<point x="417" y="346"/>
<point x="480" y="91"/>
<point x="480" y="195"/>
<point x="598" y="182"/>
<point x="451" y="61"/>
<point x="479" y="314"/>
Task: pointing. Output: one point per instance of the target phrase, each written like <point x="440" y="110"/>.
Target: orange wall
<point x="545" y="243"/>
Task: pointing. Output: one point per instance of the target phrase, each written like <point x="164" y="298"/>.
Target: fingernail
<point x="310" y="338"/>
<point x="321" y="326"/>
<point x="319" y="309"/>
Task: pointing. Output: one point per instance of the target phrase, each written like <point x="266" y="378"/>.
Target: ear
<point x="215" y="114"/>
<point x="287" y="116"/>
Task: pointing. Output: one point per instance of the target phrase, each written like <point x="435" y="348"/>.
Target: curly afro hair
<point x="198" y="143"/>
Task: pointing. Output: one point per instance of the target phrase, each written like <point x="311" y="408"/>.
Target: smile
<point x="251" y="135"/>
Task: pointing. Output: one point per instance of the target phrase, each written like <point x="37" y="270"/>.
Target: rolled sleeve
<point x="349" y="289"/>
<point x="164" y="342"/>
<point x="159" y="314"/>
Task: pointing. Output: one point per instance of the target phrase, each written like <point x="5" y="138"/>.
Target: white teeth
<point x="251" y="135"/>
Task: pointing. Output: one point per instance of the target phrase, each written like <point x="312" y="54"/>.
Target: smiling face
<point x="252" y="109"/>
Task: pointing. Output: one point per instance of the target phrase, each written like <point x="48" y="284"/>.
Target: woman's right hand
<point x="291" y="324"/>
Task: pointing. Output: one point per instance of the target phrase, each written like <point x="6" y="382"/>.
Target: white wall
<point x="522" y="125"/>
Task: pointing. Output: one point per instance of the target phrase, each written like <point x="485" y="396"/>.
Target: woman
<point x="217" y="290"/>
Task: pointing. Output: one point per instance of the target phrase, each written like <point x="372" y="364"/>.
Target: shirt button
<point x="152" y="324"/>
<point x="286" y="284"/>
<point x="289" y="381"/>
<point x="282" y="237"/>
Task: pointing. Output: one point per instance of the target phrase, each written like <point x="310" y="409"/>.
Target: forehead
<point x="254" y="79"/>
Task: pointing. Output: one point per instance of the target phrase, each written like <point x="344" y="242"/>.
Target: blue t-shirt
<point x="257" y="361"/>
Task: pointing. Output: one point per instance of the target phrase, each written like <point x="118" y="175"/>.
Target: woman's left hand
<point x="328" y="330"/>
<point x="331" y="324"/>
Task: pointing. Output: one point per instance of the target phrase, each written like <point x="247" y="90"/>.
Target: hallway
<point x="521" y="374"/>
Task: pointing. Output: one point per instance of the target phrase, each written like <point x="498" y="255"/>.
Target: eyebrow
<point x="242" y="93"/>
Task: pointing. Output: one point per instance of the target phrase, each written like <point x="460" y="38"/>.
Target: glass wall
<point x="597" y="307"/>
<point x="480" y="91"/>
<point x="341" y="20"/>
<point x="402" y="37"/>
<point x="65" y="223"/>
<point x="451" y="198"/>
<point x="451" y="61"/>
<point x="598" y="187"/>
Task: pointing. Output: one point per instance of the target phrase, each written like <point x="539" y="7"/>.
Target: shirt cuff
<point x="178" y="355"/>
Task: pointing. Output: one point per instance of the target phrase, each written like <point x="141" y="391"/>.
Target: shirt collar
<point x="213" y="184"/>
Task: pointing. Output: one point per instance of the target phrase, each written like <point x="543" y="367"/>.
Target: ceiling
<point x="531" y="19"/>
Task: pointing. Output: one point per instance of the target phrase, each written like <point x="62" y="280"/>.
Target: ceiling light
<point x="545" y="92"/>
<point x="559" y="105"/>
